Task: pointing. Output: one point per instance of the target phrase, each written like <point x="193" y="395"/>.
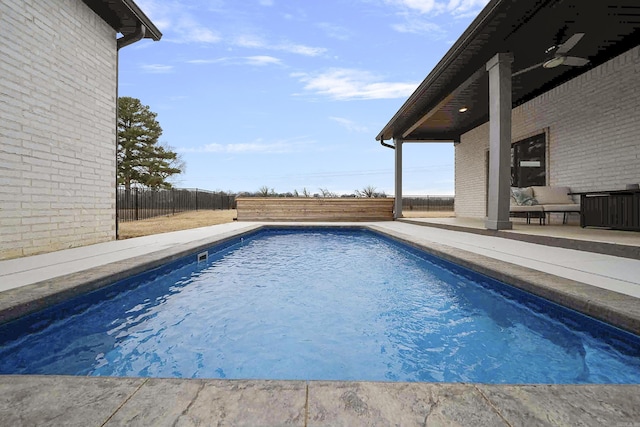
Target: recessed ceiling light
<point x="463" y="109"/>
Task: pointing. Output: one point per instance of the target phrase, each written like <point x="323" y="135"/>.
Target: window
<point x="528" y="162"/>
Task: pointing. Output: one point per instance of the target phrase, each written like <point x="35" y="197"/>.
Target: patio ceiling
<point x="527" y="29"/>
<point x="124" y="16"/>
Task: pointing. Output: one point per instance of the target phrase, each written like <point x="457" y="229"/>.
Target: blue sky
<point x="290" y="94"/>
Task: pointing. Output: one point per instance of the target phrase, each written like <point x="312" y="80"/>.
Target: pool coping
<point x="110" y="401"/>
<point x="611" y="307"/>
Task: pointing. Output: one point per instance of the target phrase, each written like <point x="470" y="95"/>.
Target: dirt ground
<point x="431" y="214"/>
<point x="194" y="219"/>
<point x="180" y="221"/>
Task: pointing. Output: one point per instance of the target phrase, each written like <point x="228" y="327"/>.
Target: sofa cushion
<point x="534" y="208"/>
<point x="557" y="207"/>
<point x="552" y="195"/>
<point x="523" y="196"/>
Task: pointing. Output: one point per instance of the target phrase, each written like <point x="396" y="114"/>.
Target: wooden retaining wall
<point x="314" y="209"/>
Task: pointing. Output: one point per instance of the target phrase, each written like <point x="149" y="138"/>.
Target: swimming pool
<point x="319" y="304"/>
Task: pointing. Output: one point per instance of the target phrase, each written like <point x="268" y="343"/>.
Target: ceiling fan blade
<point x="565" y="47"/>
<point x="524" y="70"/>
<point x="574" y="61"/>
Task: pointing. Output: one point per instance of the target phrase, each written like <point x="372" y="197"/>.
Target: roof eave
<point x="474" y="28"/>
<point x="125" y="17"/>
<point x="152" y="31"/>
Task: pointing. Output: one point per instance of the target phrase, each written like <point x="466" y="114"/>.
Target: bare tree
<point x="326" y="193"/>
<point x="265" y="191"/>
<point x="370" y="192"/>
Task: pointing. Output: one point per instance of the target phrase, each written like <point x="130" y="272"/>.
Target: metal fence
<point x="143" y="203"/>
<point x="427" y="203"/>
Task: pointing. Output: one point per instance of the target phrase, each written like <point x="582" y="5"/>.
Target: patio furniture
<point x="535" y="211"/>
<point x="556" y="200"/>
<point x="538" y="201"/>
<point x="617" y="209"/>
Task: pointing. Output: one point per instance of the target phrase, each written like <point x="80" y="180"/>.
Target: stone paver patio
<point x="81" y="401"/>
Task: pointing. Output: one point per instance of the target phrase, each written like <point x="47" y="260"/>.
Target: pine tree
<point x="141" y="158"/>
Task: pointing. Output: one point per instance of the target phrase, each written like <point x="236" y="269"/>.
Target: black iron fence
<point x="428" y="203"/>
<point x="143" y="203"/>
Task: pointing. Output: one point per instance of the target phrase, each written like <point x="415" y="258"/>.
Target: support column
<point x="499" y="68"/>
<point x="398" y="169"/>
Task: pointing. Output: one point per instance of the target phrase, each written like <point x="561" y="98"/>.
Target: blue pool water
<point x="327" y="304"/>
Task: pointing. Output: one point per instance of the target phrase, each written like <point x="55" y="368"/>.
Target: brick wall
<point x="470" y="173"/>
<point x="593" y="134"/>
<point x="57" y="133"/>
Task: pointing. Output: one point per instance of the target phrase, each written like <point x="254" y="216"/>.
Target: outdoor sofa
<point x="538" y="201"/>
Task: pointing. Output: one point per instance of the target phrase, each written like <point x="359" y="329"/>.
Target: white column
<point x="499" y="68"/>
<point x="398" y="189"/>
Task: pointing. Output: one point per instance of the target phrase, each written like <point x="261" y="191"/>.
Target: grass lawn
<point x="179" y="221"/>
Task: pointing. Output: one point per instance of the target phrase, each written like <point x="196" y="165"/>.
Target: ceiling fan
<point x="560" y="56"/>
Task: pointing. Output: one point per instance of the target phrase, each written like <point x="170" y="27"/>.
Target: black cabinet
<point x="619" y="210"/>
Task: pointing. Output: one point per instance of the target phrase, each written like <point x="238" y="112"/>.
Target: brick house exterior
<point x="592" y="129"/>
<point x="58" y="94"/>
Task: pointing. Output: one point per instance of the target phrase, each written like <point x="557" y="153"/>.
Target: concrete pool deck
<point x="604" y="285"/>
<point x="86" y="401"/>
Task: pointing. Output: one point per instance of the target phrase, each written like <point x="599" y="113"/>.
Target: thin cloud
<point x="466" y="8"/>
<point x="199" y="35"/>
<point x="207" y="61"/>
<point x="257" y="146"/>
<point x="421" y="6"/>
<point x="300" y="49"/>
<point x="426" y="9"/>
<point x="350" y="125"/>
<point x="262" y="60"/>
<point x="252" y="41"/>
<point x="347" y="84"/>
<point x="157" y="68"/>
<point x="418" y="26"/>
<point x="249" y="147"/>
<point x="335" y="31"/>
<point x="435" y="7"/>
<point x="178" y="24"/>
<point x="181" y="24"/>
<point x="188" y="30"/>
<point x="257" y="61"/>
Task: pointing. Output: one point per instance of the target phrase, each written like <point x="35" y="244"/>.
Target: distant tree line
<point x="266" y="191"/>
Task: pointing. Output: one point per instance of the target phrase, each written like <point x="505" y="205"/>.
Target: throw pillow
<point x="523" y="196"/>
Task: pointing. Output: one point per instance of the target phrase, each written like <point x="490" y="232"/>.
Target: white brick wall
<point x="593" y="134"/>
<point x="470" y="173"/>
<point x="57" y="127"/>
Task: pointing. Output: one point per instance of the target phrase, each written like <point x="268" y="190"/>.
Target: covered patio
<point x="515" y="59"/>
